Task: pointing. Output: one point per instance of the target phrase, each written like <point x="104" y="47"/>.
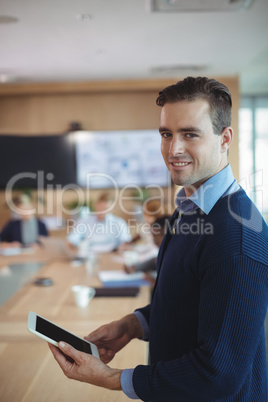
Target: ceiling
<point x="67" y="40"/>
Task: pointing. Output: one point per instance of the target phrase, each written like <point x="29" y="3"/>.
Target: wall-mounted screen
<point x="120" y="158"/>
<point x="99" y="159"/>
<point x="36" y="161"/>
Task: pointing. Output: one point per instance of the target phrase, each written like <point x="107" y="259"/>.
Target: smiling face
<point x="191" y="150"/>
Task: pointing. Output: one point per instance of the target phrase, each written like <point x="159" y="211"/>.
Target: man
<point x="101" y="231"/>
<point x="205" y="323"/>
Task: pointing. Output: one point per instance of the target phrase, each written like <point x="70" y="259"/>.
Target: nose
<point x="176" y="146"/>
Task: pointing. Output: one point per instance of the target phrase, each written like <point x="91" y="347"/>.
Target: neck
<point x="189" y="190"/>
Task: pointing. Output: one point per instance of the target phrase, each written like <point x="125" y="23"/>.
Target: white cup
<point x="83" y="295"/>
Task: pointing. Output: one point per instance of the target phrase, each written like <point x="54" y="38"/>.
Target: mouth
<point x="180" y="164"/>
<point x="176" y="165"/>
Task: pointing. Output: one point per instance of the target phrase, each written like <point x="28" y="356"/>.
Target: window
<point x="253" y="150"/>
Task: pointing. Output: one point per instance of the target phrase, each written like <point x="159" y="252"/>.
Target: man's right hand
<point x="113" y="337"/>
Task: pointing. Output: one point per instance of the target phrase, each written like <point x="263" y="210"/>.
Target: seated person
<point x="100" y="231"/>
<point x="158" y="230"/>
<point x="152" y="209"/>
<point x="25" y="228"/>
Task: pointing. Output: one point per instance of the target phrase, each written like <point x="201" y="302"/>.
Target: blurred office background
<point x="98" y="66"/>
<point x="101" y="64"/>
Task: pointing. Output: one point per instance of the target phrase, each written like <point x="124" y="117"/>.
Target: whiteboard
<point x="107" y="159"/>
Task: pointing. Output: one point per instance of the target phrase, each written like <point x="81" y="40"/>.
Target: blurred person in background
<point x="24" y="228"/>
<point x="101" y="231"/>
<point x="152" y="209"/>
<point x="158" y="231"/>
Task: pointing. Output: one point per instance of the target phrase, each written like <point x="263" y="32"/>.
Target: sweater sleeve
<point x="5" y="233"/>
<point x="42" y="229"/>
<point x="11" y="232"/>
<point x="145" y="311"/>
<point x="233" y="302"/>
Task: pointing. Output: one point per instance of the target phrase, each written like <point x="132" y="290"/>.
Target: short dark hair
<point x="192" y="88"/>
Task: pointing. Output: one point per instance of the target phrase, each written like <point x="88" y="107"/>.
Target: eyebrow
<point x="182" y="130"/>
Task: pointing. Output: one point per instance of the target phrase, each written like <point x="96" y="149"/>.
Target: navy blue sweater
<point x="12" y="231"/>
<point x="208" y="309"/>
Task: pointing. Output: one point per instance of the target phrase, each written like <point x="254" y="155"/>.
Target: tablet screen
<point x="58" y="334"/>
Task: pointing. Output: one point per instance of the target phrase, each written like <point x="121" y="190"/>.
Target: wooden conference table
<point x="28" y="371"/>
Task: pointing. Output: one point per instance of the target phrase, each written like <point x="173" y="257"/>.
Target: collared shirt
<point x="205" y="197"/>
<point x="29" y="231"/>
<point x="100" y="236"/>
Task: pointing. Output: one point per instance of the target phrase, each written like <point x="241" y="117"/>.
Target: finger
<point x="53" y="349"/>
<point x="126" y="269"/>
<point x="59" y="357"/>
<point x="106" y="355"/>
<point x="95" y="336"/>
<point x="69" y="351"/>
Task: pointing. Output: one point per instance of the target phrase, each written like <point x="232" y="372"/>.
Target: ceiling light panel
<point x="196" y="5"/>
<point x="8" y="19"/>
<point x="178" y="69"/>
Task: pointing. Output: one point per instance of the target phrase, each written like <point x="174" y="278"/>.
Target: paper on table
<point x="144" y="254"/>
<point x="120" y="278"/>
<point x="10" y="251"/>
<point x="7" y="251"/>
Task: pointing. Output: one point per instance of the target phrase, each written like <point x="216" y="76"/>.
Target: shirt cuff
<point x="144" y="325"/>
<point x="127" y="383"/>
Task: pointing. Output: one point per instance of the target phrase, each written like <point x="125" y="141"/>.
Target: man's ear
<point x="226" y="139"/>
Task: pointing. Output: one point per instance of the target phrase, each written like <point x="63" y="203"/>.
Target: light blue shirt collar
<point x="206" y="196"/>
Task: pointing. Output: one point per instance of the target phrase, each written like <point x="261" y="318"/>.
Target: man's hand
<point x="113" y="337"/>
<point x="129" y="269"/>
<point x="84" y="367"/>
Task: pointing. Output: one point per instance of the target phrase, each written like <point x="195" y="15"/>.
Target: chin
<point x="180" y="181"/>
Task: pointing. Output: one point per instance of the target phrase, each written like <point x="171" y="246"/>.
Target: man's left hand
<point x="84" y="367"/>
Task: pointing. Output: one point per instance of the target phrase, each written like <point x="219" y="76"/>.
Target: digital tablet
<point x="53" y="334"/>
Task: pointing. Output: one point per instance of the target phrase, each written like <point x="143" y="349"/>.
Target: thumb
<point x="68" y="350"/>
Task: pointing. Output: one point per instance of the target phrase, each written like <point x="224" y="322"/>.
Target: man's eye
<point x="165" y="135"/>
<point x="190" y="135"/>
